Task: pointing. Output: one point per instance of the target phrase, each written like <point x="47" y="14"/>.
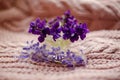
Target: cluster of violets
<point x="65" y="26"/>
<point x="38" y="53"/>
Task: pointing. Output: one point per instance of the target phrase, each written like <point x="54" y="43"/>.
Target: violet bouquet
<point x="59" y="33"/>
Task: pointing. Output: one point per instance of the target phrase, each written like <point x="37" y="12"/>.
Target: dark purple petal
<point x="74" y="38"/>
<point x="37" y="20"/>
<point x="56" y="25"/>
<point x="66" y="36"/>
<point x="56" y="36"/>
<point x="67" y="13"/>
<point x="41" y="38"/>
<point x="46" y="31"/>
<point x="82" y="36"/>
<point x="31" y="28"/>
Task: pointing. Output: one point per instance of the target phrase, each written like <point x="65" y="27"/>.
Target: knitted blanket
<point x="102" y="49"/>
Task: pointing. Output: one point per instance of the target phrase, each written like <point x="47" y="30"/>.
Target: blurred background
<point x="15" y="15"/>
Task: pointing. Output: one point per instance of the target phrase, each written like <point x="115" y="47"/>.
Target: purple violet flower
<point x="39" y="28"/>
<point x="67" y="24"/>
<point x="66" y="27"/>
<point x="55" y="30"/>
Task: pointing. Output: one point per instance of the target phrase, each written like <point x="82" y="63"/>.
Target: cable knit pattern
<point x="102" y="49"/>
<point x="105" y="14"/>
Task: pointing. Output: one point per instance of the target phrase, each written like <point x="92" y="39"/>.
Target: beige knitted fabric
<point x="98" y="14"/>
<point x="102" y="49"/>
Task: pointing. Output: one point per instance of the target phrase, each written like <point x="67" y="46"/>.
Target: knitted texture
<point x="105" y="14"/>
<point x="102" y="49"/>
